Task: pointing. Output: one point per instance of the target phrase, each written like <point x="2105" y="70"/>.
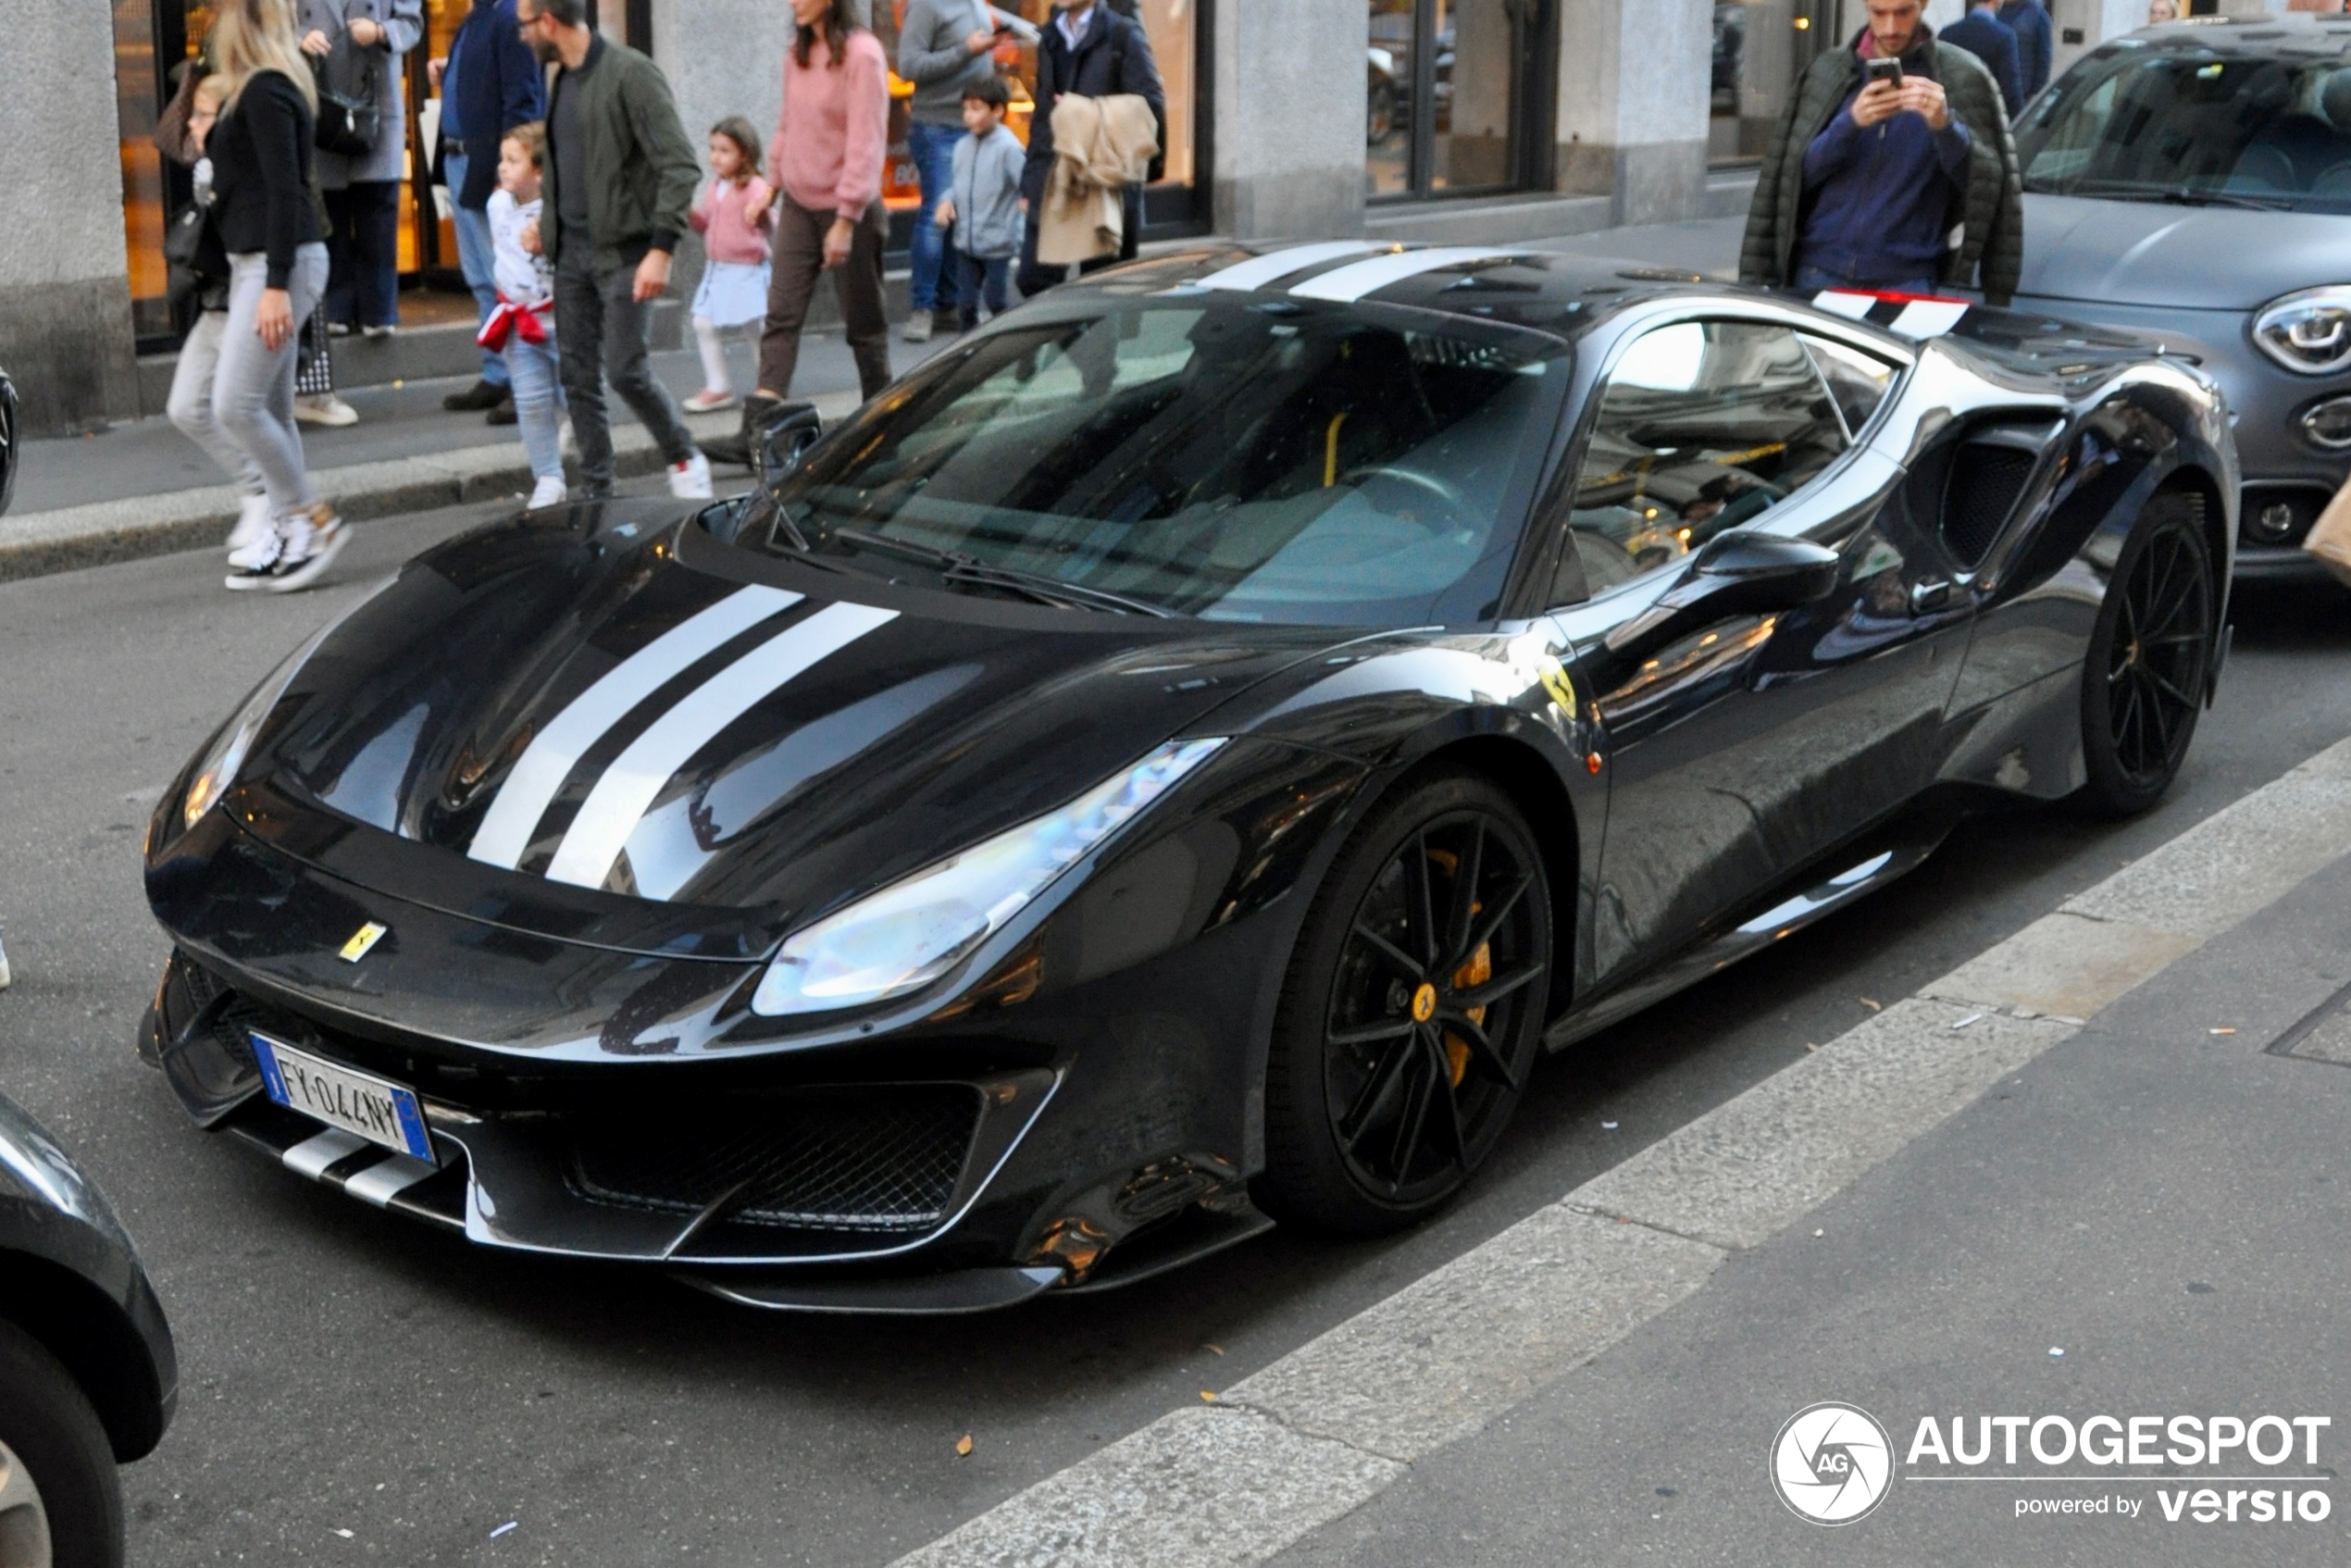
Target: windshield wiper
<point x="2177" y="196"/>
<point x="956" y="567"/>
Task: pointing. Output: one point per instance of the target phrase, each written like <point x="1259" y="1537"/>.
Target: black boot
<point x="759" y="410"/>
<point x="762" y="416"/>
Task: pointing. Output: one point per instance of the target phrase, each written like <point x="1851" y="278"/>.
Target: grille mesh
<point x="1982" y="490"/>
<point x="868" y="1159"/>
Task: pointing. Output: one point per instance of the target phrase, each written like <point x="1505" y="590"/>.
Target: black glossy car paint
<point x="1115" y="1029"/>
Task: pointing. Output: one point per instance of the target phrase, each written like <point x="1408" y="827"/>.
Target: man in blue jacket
<point x="489" y="83"/>
<point x="2036" y="37"/>
<point x="1981" y="33"/>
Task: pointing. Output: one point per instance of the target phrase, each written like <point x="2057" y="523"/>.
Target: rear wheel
<point x="2143" y="684"/>
<point x="60" y="1498"/>
<point x="1412" y="1012"/>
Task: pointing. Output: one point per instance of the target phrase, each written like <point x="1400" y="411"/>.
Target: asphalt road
<point x="347" y="1371"/>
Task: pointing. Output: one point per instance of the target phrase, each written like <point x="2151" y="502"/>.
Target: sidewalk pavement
<point x="2148" y="1220"/>
<point x="142" y="489"/>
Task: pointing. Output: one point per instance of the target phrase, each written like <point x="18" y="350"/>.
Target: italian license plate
<point x="375" y="1109"/>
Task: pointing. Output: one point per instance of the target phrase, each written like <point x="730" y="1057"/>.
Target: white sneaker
<point x="253" y="524"/>
<point x="304" y="544"/>
<point x="709" y="401"/>
<point x="548" y="492"/>
<point x="689" y="480"/>
<point x="377" y="334"/>
<point x="325" y="408"/>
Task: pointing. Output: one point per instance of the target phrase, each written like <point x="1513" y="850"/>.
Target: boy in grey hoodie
<point x="983" y="203"/>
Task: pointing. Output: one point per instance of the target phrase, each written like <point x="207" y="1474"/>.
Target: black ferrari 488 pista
<point x="1175" y="760"/>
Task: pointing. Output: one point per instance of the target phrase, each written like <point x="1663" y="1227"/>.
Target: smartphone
<point x="1886" y="71"/>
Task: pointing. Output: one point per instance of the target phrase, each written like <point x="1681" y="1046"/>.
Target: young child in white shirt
<point x="524" y="323"/>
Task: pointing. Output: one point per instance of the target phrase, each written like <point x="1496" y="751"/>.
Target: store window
<point x="1762" y="48"/>
<point x="1447" y="82"/>
<point x="1174" y="27"/>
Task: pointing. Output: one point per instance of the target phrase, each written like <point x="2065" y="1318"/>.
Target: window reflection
<point x="1442" y="95"/>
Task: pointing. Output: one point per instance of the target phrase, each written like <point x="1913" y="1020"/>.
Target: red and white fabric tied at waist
<point x="514" y="317"/>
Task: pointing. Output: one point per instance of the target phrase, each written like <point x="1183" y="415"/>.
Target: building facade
<point x="1287" y="118"/>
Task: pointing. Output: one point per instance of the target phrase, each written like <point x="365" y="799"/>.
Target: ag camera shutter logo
<point x="1831" y="1463"/>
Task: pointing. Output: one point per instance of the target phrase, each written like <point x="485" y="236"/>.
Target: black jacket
<point x="265" y="190"/>
<point x="1113" y="56"/>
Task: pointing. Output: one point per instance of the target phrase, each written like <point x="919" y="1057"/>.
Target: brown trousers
<point x="798" y="261"/>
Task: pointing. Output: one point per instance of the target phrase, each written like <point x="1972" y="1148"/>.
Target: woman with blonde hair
<point x="233" y="390"/>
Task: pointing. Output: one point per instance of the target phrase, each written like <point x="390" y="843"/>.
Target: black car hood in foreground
<point x="625" y="732"/>
<point x="2160" y="253"/>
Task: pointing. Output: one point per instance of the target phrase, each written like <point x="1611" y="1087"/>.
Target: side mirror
<point x="787" y="434"/>
<point x="1737" y="573"/>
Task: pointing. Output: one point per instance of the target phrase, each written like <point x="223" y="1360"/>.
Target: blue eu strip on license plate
<point x="373" y="1108"/>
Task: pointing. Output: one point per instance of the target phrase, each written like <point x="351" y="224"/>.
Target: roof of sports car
<point x="1524" y="288"/>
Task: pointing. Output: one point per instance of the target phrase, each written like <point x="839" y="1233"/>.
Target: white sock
<point x="716" y="377"/>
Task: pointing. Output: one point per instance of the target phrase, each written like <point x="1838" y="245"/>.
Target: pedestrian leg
<point x="716" y="377"/>
<point x="341" y="310"/>
<point x="931" y="266"/>
<point x="797" y="262"/>
<point x="190" y="405"/>
<point x="579" y="327"/>
<point x="864" y="311"/>
<point x="533" y="369"/>
<point x="375" y="253"/>
<point x="628" y="334"/>
<point x="253" y="388"/>
<point x="477" y="259"/>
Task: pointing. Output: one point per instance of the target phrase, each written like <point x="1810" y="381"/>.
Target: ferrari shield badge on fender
<point x="1555" y="681"/>
<point x="363" y="942"/>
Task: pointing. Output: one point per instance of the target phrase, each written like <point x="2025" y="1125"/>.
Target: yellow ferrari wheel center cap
<point x="1425" y="1003"/>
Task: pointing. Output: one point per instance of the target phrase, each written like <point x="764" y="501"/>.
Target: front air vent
<point x="1981" y="490"/>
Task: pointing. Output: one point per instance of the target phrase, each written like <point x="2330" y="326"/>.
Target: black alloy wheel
<point x="2144" y="682"/>
<point x="1412" y="1013"/>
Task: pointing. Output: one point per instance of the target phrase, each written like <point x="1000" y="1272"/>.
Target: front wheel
<point x="60" y="1499"/>
<point x="2143" y="682"/>
<point x="1411" y="1012"/>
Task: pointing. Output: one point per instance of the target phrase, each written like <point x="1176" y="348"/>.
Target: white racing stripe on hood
<point x="1260" y="271"/>
<point x="506" y="830"/>
<point x="629" y="786"/>
<point x="1347" y="284"/>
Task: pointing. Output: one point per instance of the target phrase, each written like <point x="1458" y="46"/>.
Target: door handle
<point x="1929" y="596"/>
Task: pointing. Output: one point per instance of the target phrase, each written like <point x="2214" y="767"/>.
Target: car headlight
<point x="2309" y="331"/>
<point x="912" y="931"/>
<point x="221" y="760"/>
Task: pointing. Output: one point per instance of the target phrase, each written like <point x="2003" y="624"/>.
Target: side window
<point x="1858" y="381"/>
<point x="1702" y="426"/>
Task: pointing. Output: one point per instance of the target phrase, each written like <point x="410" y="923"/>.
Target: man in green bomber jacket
<point x="619" y="185"/>
<point x="1874" y="185"/>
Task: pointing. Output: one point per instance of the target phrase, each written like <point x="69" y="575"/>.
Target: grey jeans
<point x="605" y="333"/>
<point x="234" y="398"/>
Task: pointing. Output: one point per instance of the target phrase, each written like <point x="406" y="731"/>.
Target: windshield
<point x="1199" y="455"/>
<point x="2174" y="122"/>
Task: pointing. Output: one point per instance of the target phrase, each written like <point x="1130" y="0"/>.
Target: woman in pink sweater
<point x="828" y="161"/>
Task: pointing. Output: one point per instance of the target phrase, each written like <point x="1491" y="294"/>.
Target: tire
<point x="1404" y="1038"/>
<point x="2144" y="679"/>
<point x="49" y="1430"/>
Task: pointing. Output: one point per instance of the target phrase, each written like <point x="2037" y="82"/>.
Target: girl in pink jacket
<point x="734" y="280"/>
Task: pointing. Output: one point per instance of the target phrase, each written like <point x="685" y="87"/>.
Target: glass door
<point x="1444" y="106"/>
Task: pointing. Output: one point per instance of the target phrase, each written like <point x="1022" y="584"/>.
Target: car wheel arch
<point x="94" y="1338"/>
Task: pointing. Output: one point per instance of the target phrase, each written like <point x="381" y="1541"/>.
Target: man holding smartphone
<point x="1892" y="170"/>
